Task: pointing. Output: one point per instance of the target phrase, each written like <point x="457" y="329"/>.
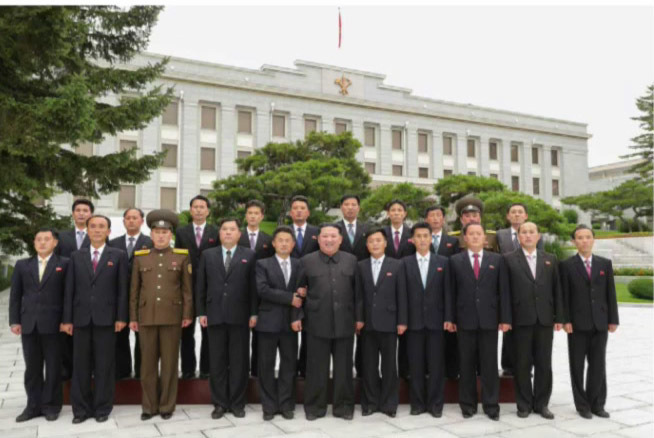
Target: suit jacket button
<point x="225" y="294"/>
<point x="477" y="299"/>
<point x="225" y="284"/>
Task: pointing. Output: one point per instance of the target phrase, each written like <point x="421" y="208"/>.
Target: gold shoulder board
<point x="491" y="232"/>
<point x="141" y="252"/>
<point x="454" y="233"/>
<point x="180" y="251"/>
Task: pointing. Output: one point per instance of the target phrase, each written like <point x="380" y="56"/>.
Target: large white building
<point x="224" y="112"/>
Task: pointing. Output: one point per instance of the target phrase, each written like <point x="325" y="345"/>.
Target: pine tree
<point x="644" y="143"/>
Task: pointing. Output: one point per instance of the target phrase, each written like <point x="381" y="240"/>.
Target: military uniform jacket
<point x="160" y="292"/>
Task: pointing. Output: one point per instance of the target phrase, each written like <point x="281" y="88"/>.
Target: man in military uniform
<point x="469" y="210"/>
<point x="160" y="305"/>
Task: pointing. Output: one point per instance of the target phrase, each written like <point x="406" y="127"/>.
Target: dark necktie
<point x="96" y="254"/>
<point x="299" y="238"/>
<point x="475" y="267"/>
<point x="228" y="260"/>
<point x="130" y="247"/>
<point x="396" y="241"/>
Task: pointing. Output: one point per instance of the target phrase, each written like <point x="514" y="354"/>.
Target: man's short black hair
<point x="255" y="203"/>
<point x="581" y="227"/>
<point x="350" y="196"/>
<point x="299" y="198"/>
<point x="283" y="229"/>
<point x="374" y="230"/>
<point x="82" y="201"/>
<point x="199" y="198"/>
<point x="465" y="228"/>
<point x="433" y="208"/>
<point x="330" y="224"/>
<point x="54" y="232"/>
<point x="100" y="216"/>
<point x="517" y="204"/>
<point x="419" y="225"/>
<point x="229" y="219"/>
<point x="134" y="208"/>
<point x="392" y="202"/>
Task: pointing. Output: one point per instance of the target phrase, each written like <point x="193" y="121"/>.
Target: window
<point x="447" y="145"/>
<point x="85" y="149"/>
<point x="447" y="172"/>
<point x="397" y="139"/>
<point x="536" y="186"/>
<point x="555" y="187"/>
<point x="471" y="149"/>
<point x="169" y="117"/>
<point x="310" y="125"/>
<point x="171" y="155"/>
<point x="494" y="176"/>
<point x="492" y="151"/>
<point x="397" y="170"/>
<point x="279" y="126"/>
<point x="370" y="168"/>
<point x="423" y="172"/>
<point x="515" y="183"/>
<point x="369" y="136"/>
<point x="555" y="158"/>
<point x="514" y="153"/>
<point x="127" y="197"/>
<point x="207" y="159"/>
<point x="534" y="155"/>
<point x="472" y="174"/>
<point x="127" y="144"/>
<point x="244" y="122"/>
<point x="243" y="154"/>
<point x="208" y="118"/>
<point x="168" y="199"/>
<point x="422" y="143"/>
<point x="340" y="127"/>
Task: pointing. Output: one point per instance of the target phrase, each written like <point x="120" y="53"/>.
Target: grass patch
<point x="603" y="234"/>
<point x="625" y="297"/>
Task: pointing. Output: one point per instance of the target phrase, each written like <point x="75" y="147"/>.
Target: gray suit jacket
<point x="506" y="243"/>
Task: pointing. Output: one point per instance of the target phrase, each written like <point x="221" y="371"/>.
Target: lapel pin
<point x="449" y="245"/>
<point x="244" y="261"/>
<point x="491" y="267"/>
<point x="389" y="274"/>
<point x="110" y="263"/>
<point x="439" y="269"/>
<point x="547" y="262"/>
<point x="313" y="237"/>
<point x="601" y="272"/>
<point x="211" y="240"/>
<point x="174" y="263"/>
<point x="58" y="269"/>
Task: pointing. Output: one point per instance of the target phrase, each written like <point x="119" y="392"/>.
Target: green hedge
<point x="5" y="282"/>
<point x="642" y="288"/>
<point x="634" y="272"/>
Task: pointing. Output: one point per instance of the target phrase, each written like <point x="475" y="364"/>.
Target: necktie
<point x="96" y="254"/>
<point x="435" y="241"/>
<point x="299" y="238"/>
<point x="350" y="232"/>
<point x="475" y="266"/>
<point x="375" y="271"/>
<point x="198" y="236"/>
<point x="80" y="239"/>
<point x="285" y="271"/>
<point x="42" y="263"/>
<point x="396" y="241"/>
<point x="516" y="244"/>
<point x="588" y="268"/>
<point x="130" y="247"/>
<point x="228" y="260"/>
<point x="253" y="242"/>
<point x="423" y="271"/>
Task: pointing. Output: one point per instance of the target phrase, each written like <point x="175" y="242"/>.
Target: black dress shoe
<point x="25" y="416"/>
<point x="80" y="419"/>
<point x="417" y="411"/>
<point x="586" y="414"/>
<point x="166" y="415"/>
<point x="218" y="412"/>
<point x="51" y="417"/>
<point x="495" y="416"/>
<point x="288" y="415"/>
<point x="311" y="417"/>
<point x="546" y="413"/>
<point x="238" y="412"/>
<point x="188" y="375"/>
<point x="523" y="414"/>
<point x="267" y="416"/>
<point x="101" y="418"/>
<point x="145" y="416"/>
<point x="366" y="412"/>
<point x="436" y="414"/>
<point x="467" y="414"/>
<point x="347" y="416"/>
<point x="601" y="413"/>
<point x="391" y="414"/>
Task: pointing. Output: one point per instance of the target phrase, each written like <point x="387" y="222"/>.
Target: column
<point x="296" y="127"/>
<point x="188" y="165"/>
<point x="483" y="165"/>
<point x="437" y="155"/>
<point x="411" y="153"/>
<point x="505" y="162"/>
<point x="261" y="129"/>
<point x="461" y="154"/>
<point x="526" y="180"/>
<point x="385" y="151"/>
<point x="546" y="174"/>
<point x="357" y="133"/>
<point x="227" y="152"/>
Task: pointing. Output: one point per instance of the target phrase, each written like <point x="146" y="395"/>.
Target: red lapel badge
<point x="58" y="269"/>
<point x="491" y="267"/>
<point x="110" y="263"/>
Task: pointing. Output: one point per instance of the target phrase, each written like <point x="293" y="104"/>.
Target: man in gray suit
<point x="507" y="239"/>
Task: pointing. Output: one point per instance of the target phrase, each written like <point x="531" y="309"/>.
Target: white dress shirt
<point x="531" y="261"/>
<point x="375" y="265"/>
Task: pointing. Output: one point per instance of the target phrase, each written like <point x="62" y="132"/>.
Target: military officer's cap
<point x="162" y="218"/>
<point x="469" y="204"/>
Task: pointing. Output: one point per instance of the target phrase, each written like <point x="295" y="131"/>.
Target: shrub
<point x="558" y="250"/>
<point x="570" y="215"/>
<point x="642" y="288"/>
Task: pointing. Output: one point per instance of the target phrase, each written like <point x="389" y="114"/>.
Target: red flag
<point x="339" y="27"/>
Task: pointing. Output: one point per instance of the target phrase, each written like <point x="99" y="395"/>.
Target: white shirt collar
<point x="280" y="260"/>
<point x="419" y="256"/>
<point x="533" y="254"/>
<point x="99" y="250"/>
<point x="77" y="230"/>
<point x="249" y="231"/>
<point x="302" y="227"/>
<point x="47" y="259"/>
<point x="136" y="237"/>
<point x="472" y="258"/>
<point x="347" y="223"/>
<point x="399" y="230"/>
<point x="380" y="259"/>
<point x="583" y="260"/>
<point x="195" y="227"/>
<point x="439" y="234"/>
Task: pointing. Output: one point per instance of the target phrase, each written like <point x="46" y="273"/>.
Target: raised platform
<point x="196" y="391"/>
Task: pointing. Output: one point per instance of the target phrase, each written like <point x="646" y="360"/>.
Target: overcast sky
<point x="582" y="63"/>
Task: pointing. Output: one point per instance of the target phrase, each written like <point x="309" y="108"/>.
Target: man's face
<point x="199" y="211"/>
<point x="283" y="244"/>
<point x="44" y="243"/>
<point x="528" y="236"/>
<point x="517" y="215"/>
<point x="161" y="237"/>
<point x="98" y="230"/>
<point x="470" y="217"/>
<point x="229" y="234"/>
<point x="584" y="241"/>
<point x="422" y="239"/>
<point x="299" y="212"/>
<point x="435" y="219"/>
<point x="329" y="240"/>
<point x="474" y="238"/>
<point x="396" y="214"/>
<point x="253" y="216"/>
<point x="132" y="221"/>
<point x="350" y="208"/>
<point x="376" y="244"/>
<point x="80" y="215"/>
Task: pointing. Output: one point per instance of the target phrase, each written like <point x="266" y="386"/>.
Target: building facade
<point x="221" y="113"/>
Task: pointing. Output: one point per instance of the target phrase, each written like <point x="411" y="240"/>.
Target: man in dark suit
<point x="35" y="308"/>
<point x="70" y="241"/>
<point x="507" y="240"/>
<point x="333" y="312"/>
<point x="591" y="312"/>
<point x="276" y="286"/>
<point x="384" y="317"/>
<point x="132" y="240"/>
<point x="96" y="308"/>
<point x="482" y="300"/>
<point x="305" y="243"/>
<point x="227" y="307"/>
<point x="537" y="311"/>
<point x="261" y="243"/>
<point x="444" y="245"/>
<point x="196" y="237"/>
<point x="427" y="287"/>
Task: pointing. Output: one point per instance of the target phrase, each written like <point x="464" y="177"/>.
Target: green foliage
<point x="570" y="215"/>
<point x="451" y="189"/>
<point x="644" y="143"/>
<point x="416" y="199"/>
<point x="5" y="281"/>
<point x="642" y="288"/>
<point x="634" y="272"/>
<point x="561" y="252"/>
<point x="58" y="65"/>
